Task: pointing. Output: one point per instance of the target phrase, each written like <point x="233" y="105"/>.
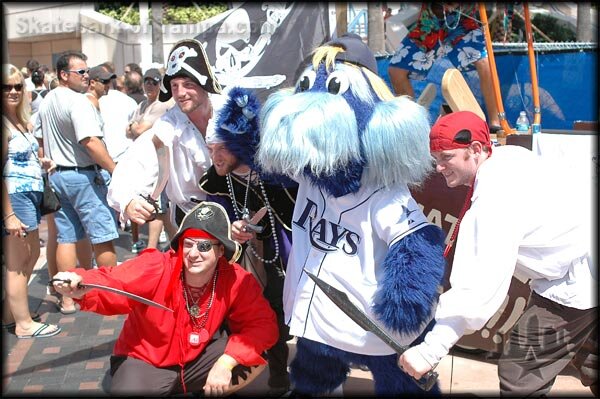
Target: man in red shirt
<point x="220" y="324"/>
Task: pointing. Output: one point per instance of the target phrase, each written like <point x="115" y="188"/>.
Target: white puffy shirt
<point x="189" y="159"/>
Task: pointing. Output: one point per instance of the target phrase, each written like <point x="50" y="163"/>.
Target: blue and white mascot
<point x="354" y="150"/>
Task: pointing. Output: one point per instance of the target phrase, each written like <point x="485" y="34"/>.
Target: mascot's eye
<point x="337" y="83"/>
<point x="307" y="80"/>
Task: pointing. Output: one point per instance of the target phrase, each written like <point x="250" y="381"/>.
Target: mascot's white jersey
<point x="343" y="241"/>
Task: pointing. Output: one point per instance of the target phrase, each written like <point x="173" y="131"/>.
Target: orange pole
<point x="537" y="115"/>
<point x="494" y="72"/>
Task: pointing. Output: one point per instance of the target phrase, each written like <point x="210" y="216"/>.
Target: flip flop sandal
<point x="34" y="317"/>
<point x="39" y="333"/>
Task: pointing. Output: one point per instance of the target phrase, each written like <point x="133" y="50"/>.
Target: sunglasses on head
<point x="78" y="71"/>
<point x="151" y="81"/>
<point x="8" y="88"/>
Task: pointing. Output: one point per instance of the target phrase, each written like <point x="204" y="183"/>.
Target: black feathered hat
<point x="237" y="125"/>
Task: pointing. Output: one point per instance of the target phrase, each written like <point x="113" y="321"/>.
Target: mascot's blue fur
<point x="340" y="129"/>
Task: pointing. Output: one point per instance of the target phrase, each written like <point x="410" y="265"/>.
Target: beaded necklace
<point x="199" y="334"/>
<point x="246" y="215"/>
<point x="457" y="18"/>
<point x="244" y="212"/>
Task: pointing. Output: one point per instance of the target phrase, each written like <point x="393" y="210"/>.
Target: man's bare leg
<point x="400" y="82"/>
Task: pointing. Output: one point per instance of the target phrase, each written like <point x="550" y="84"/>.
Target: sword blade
<point x="341" y="300"/>
<point x="162" y="154"/>
<point x="127" y="294"/>
<point x="258" y="215"/>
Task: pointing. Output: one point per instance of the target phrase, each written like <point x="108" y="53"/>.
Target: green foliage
<point x="553" y="29"/>
<point x="173" y="13"/>
<point x="190" y="15"/>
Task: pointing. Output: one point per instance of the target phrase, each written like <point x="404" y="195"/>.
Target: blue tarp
<point x="567" y="84"/>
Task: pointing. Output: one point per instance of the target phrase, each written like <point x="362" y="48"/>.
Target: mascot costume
<point x="354" y="149"/>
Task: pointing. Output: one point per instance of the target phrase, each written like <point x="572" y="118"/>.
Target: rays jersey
<point x="343" y="241"/>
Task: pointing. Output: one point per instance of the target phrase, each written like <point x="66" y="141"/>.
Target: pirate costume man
<point x="181" y="130"/>
<point x="220" y="324"/>
<point x="245" y="192"/>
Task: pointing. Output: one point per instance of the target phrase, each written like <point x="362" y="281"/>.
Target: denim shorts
<point x="85" y="210"/>
<point x="26" y="207"/>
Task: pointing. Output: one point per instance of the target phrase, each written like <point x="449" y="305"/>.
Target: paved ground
<point x="74" y="363"/>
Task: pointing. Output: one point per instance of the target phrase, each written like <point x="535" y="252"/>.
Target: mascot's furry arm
<point x="413" y="270"/>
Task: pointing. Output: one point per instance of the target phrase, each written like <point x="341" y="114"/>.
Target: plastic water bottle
<point x="522" y="123"/>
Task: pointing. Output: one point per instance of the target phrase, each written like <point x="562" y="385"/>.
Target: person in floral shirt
<point x="451" y="30"/>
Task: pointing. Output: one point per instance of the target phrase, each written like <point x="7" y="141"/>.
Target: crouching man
<point x="212" y="341"/>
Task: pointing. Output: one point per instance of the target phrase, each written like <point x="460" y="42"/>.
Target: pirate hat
<point x="211" y="218"/>
<point x="188" y="58"/>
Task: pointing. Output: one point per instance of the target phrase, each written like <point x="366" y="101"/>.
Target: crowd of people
<point x="171" y="148"/>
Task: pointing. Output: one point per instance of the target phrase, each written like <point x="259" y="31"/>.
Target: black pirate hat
<point x="188" y="58"/>
<point x="211" y="218"/>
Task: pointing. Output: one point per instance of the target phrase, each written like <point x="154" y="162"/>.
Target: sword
<point x="252" y="223"/>
<point x="341" y="300"/>
<point x="162" y="154"/>
<point x="114" y="290"/>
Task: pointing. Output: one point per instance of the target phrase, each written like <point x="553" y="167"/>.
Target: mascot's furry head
<point x="342" y="127"/>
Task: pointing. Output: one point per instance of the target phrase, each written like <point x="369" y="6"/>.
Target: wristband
<point x="225" y="364"/>
<point x="9" y="215"/>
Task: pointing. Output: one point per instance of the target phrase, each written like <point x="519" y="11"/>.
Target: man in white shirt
<point x="190" y="81"/>
<point x="117" y="109"/>
<point x="518" y="220"/>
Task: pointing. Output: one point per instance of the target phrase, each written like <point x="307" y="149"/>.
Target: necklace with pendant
<point x="199" y="334"/>
<point x="244" y="214"/>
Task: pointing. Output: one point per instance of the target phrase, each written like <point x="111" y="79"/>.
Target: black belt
<point x="89" y="167"/>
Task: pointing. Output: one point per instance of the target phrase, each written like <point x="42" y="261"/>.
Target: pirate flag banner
<point x="261" y="45"/>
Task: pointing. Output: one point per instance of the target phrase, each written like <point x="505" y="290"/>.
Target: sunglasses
<point x="151" y="81"/>
<point x="203" y="246"/>
<point x="8" y="88"/>
<point x="78" y="71"/>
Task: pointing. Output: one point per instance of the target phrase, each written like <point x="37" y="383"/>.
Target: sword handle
<point x="152" y="202"/>
<point x="428" y="380"/>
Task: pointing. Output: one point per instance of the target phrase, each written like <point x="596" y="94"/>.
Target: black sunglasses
<point x="151" y="81"/>
<point x="8" y="88"/>
<point x="78" y="71"/>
